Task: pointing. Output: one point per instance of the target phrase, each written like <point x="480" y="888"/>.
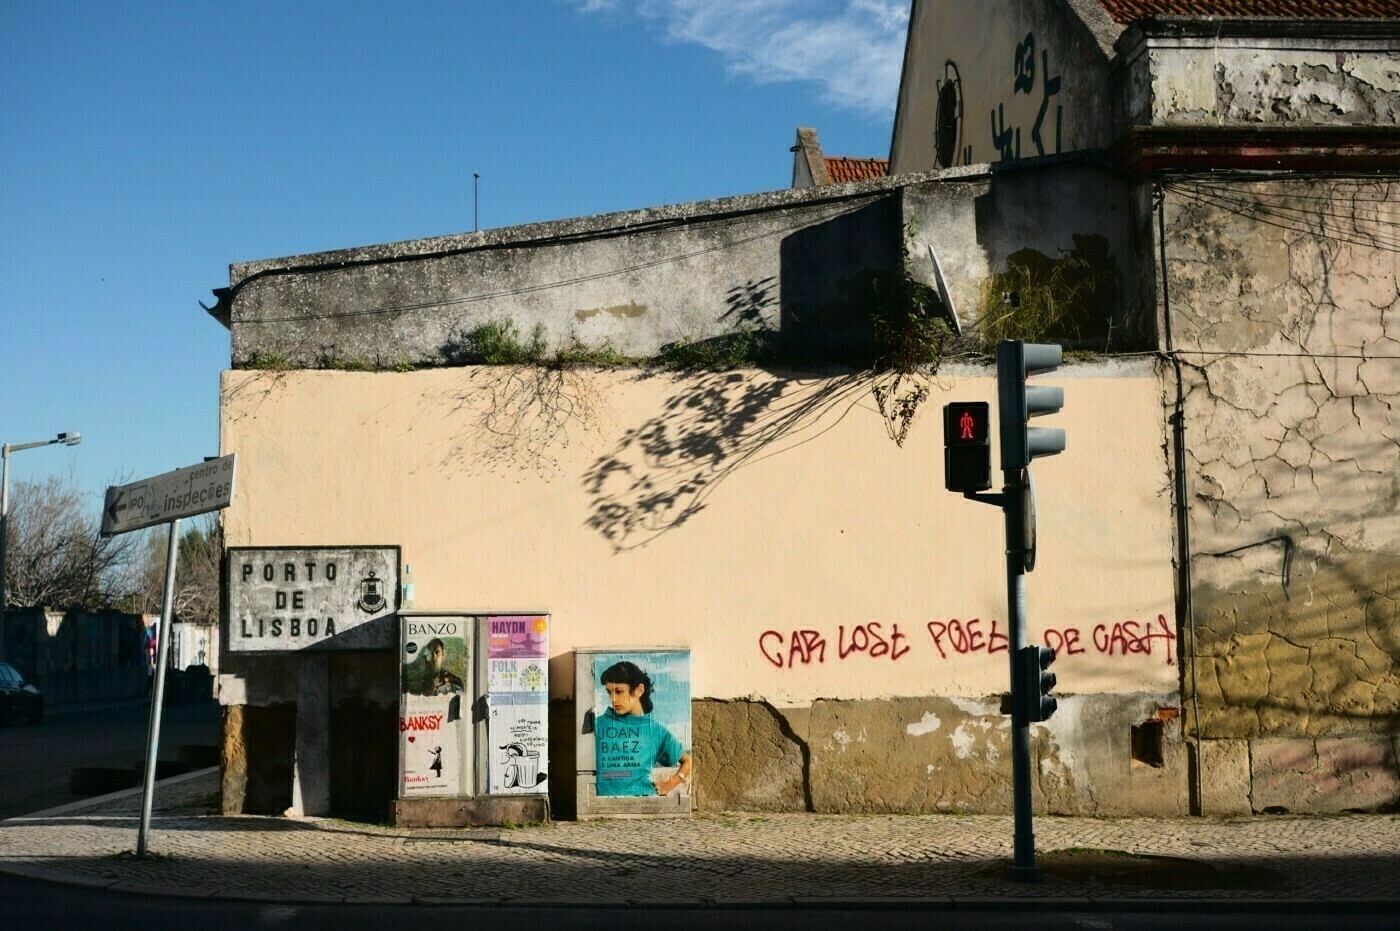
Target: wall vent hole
<point x="1147" y="744"/>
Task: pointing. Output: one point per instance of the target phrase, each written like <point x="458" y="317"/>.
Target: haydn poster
<point x="517" y="693"/>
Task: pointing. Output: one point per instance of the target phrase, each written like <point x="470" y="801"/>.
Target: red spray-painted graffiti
<point x="808" y="646"/>
<point x="1123" y="638"/>
<point x="420" y="722"/>
<point x="965" y="637"/>
<point x="955" y="637"/>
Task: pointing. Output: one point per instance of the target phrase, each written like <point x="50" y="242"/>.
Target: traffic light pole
<point x="967" y="469"/>
<point x="1013" y="504"/>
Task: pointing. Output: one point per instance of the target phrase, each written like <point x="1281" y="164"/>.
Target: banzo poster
<point x="289" y="599"/>
<point x="435" y="707"/>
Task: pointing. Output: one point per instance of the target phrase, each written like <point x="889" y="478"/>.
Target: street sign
<point x="285" y="599"/>
<point x="183" y="493"/>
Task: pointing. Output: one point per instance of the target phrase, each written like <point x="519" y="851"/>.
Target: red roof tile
<point x="1125" y="11"/>
<point x="843" y="170"/>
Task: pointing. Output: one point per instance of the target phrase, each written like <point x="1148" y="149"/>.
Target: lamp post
<point x="67" y="439"/>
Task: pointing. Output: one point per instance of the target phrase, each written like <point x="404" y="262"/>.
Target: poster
<point x="517" y="693"/>
<point x="641" y="723"/>
<point x="435" y="706"/>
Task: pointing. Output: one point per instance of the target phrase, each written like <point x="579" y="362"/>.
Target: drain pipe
<point x="1183" y="510"/>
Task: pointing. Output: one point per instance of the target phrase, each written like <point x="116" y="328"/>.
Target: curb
<point x="97" y="800"/>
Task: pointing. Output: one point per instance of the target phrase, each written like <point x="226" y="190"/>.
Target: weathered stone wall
<point x="1214" y="73"/>
<point x="1281" y="295"/>
<point x="936" y="754"/>
<point x="258" y="734"/>
<point x="806" y="268"/>
<point x="797" y="264"/>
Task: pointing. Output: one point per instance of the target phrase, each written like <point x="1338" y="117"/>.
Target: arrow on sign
<point x="116" y="507"/>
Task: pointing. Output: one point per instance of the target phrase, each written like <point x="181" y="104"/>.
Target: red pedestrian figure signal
<point x="967" y="449"/>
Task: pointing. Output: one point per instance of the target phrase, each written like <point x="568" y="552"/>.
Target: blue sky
<point x="147" y="144"/>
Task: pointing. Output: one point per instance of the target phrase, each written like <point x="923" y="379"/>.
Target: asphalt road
<point x="37" y="904"/>
<point x="35" y="759"/>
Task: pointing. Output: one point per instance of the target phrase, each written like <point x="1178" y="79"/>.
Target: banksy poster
<point x="435" y="706"/>
<point x="641" y="723"/>
<point x="287" y="599"/>
<point x="517" y="694"/>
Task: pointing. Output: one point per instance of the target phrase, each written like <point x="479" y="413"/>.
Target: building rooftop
<point x="1126" y="11"/>
<point x="842" y="170"/>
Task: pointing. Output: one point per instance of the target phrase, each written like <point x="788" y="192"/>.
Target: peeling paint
<point x="925" y="725"/>
<point x="963" y="741"/>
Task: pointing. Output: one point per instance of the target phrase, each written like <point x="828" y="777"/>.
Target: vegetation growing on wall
<point x="1066" y="299"/>
<point x="910" y="341"/>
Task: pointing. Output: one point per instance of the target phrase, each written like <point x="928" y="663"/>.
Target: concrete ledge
<point x="482" y="811"/>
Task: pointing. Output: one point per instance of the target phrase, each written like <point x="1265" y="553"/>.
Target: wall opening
<point x="1147" y="744"/>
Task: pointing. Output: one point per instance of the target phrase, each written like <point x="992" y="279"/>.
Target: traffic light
<point x="1037" y="682"/>
<point x="967" y="446"/>
<point x="1017" y="403"/>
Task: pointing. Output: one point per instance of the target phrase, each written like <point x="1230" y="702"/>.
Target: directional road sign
<point x="183" y="493"/>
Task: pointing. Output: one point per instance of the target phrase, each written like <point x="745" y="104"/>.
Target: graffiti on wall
<point x="1028" y="75"/>
<point x="953" y="637"/>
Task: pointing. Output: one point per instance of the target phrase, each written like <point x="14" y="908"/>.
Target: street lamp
<point x="67" y="439"/>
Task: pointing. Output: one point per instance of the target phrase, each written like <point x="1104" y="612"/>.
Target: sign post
<point x="165" y="499"/>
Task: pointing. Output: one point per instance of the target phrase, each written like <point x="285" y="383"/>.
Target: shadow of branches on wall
<point x="662" y="472"/>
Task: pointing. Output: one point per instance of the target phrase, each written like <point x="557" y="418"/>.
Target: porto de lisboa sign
<point x="290" y="599"/>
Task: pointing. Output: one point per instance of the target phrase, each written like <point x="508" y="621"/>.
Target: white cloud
<point x="852" y="49"/>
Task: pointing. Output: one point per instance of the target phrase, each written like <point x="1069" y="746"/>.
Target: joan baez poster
<point x="641" y="723"/>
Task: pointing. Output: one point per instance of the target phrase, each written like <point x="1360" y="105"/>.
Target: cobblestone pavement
<point x="711" y="859"/>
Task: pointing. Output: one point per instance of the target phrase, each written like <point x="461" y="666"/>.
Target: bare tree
<point x="200" y="552"/>
<point x="55" y="556"/>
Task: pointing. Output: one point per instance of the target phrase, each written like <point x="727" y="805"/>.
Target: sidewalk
<point x="731" y="859"/>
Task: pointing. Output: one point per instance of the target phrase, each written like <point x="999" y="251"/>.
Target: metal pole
<point x="1023" y="868"/>
<point x="68" y="439"/>
<point x="4" y="534"/>
<point x="172" y="550"/>
<point x="476" y="200"/>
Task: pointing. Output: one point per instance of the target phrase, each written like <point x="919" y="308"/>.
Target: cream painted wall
<point x="708" y="510"/>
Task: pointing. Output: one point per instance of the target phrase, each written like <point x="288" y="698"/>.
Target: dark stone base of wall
<point x="364" y="766"/>
<point x="1305" y="775"/>
<point x="1108" y="755"/>
<point x="482" y="811"/>
<point x="258" y="744"/>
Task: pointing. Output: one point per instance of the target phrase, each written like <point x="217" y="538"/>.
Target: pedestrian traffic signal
<point x="1017" y="403"/>
<point x="967" y="446"/>
<point x="1037" y="682"/>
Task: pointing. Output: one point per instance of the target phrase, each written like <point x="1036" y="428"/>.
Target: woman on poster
<point x="631" y="742"/>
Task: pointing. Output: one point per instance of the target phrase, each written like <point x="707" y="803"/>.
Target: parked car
<point x="18" y="698"/>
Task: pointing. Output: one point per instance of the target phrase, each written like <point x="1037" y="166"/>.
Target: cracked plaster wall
<point x="1283" y="298"/>
<point x="1256" y="81"/>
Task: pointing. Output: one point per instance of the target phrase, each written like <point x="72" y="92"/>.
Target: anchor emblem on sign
<point x="371" y="594"/>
